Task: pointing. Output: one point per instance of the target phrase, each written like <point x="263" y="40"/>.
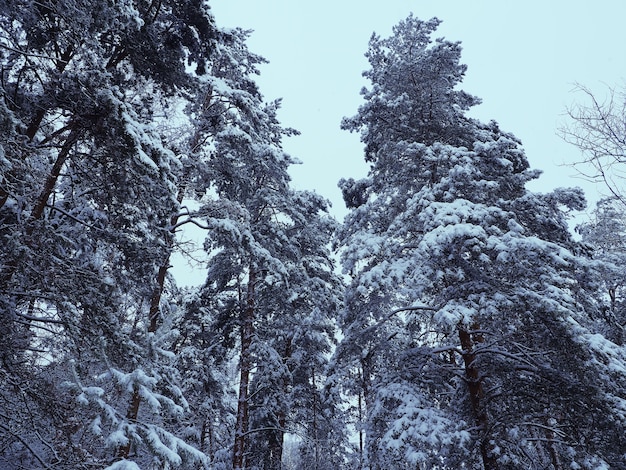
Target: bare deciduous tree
<point x="598" y="129"/>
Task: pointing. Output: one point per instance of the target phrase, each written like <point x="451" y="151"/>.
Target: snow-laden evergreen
<point x="469" y="320"/>
<point x="88" y="192"/>
<point x="606" y="238"/>
<point x="271" y="291"/>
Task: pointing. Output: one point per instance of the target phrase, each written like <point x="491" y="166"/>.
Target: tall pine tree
<point x="87" y="193"/>
<point x="271" y="273"/>
<point x="468" y="325"/>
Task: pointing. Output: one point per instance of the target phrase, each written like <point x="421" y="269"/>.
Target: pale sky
<point x="523" y="60"/>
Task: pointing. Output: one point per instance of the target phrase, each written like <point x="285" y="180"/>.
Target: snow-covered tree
<point x="271" y="274"/>
<point x="468" y="328"/>
<point x="87" y="194"/>
<point x="605" y="234"/>
<point x="270" y="294"/>
<point x="288" y="387"/>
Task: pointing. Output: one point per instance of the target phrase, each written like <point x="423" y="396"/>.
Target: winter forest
<point x="453" y="320"/>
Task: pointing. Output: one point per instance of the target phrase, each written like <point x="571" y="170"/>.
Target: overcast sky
<point x="524" y="58"/>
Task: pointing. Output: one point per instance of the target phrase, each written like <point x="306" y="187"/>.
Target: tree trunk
<point x="276" y="440"/>
<point x="315" y="433"/>
<point x="554" y="454"/>
<point x="133" y="410"/>
<point x="275" y="446"/>
<point x="153" y="316"/>
<point x="155" y="301"/>
<point x="4" y="193"/>
<point x="35" y="124"/>
<point x="364" y="403"/>
<point x="30" y="132"/>
<point x="40" y="204"/>
<point x="361" y="437"/>
<point x="51" y="181"/>
<point x="476" y="392"/>
<point x="61" y="63"/>
<point x="245" y="360"/>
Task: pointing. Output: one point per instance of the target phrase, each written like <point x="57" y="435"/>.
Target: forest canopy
<point x="452" y="320"/>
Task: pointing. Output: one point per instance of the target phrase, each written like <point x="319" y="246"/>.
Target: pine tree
<point x="468" y="322"/>
<point x="272" y="271"/>
<point x="605" y="236"/>
<point x="288" y="386"/>
<point x="86" y="203"/>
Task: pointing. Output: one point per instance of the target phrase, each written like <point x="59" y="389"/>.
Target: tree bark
<point x="315" y="433"/>
<point x="4" y="193"/>
<point x="153" y="316"/>
<point x="51" y="181"/>
<point x="476" y="393"/>
<point x="61" y="64"/>
<point x="276" y="437"/>
<point x="155" y="301"/>
<point x="364" y="403"/>
<point x="40" y="204"/>
<point x="245" y="359"/>
<point x="132" y="413"/>
<point x="361" y="436"/>
<point x="554" y="454"/>
<point x="30" y="132"/>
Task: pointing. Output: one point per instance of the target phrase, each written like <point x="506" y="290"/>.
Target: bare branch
<point x="599" y="131"/>
<point x="189" y="220"/>
<point x="26" y="53"/>
<point x="40" y="319"/>
<point x="25" y="444"/>
<point x="391" y="314"/>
